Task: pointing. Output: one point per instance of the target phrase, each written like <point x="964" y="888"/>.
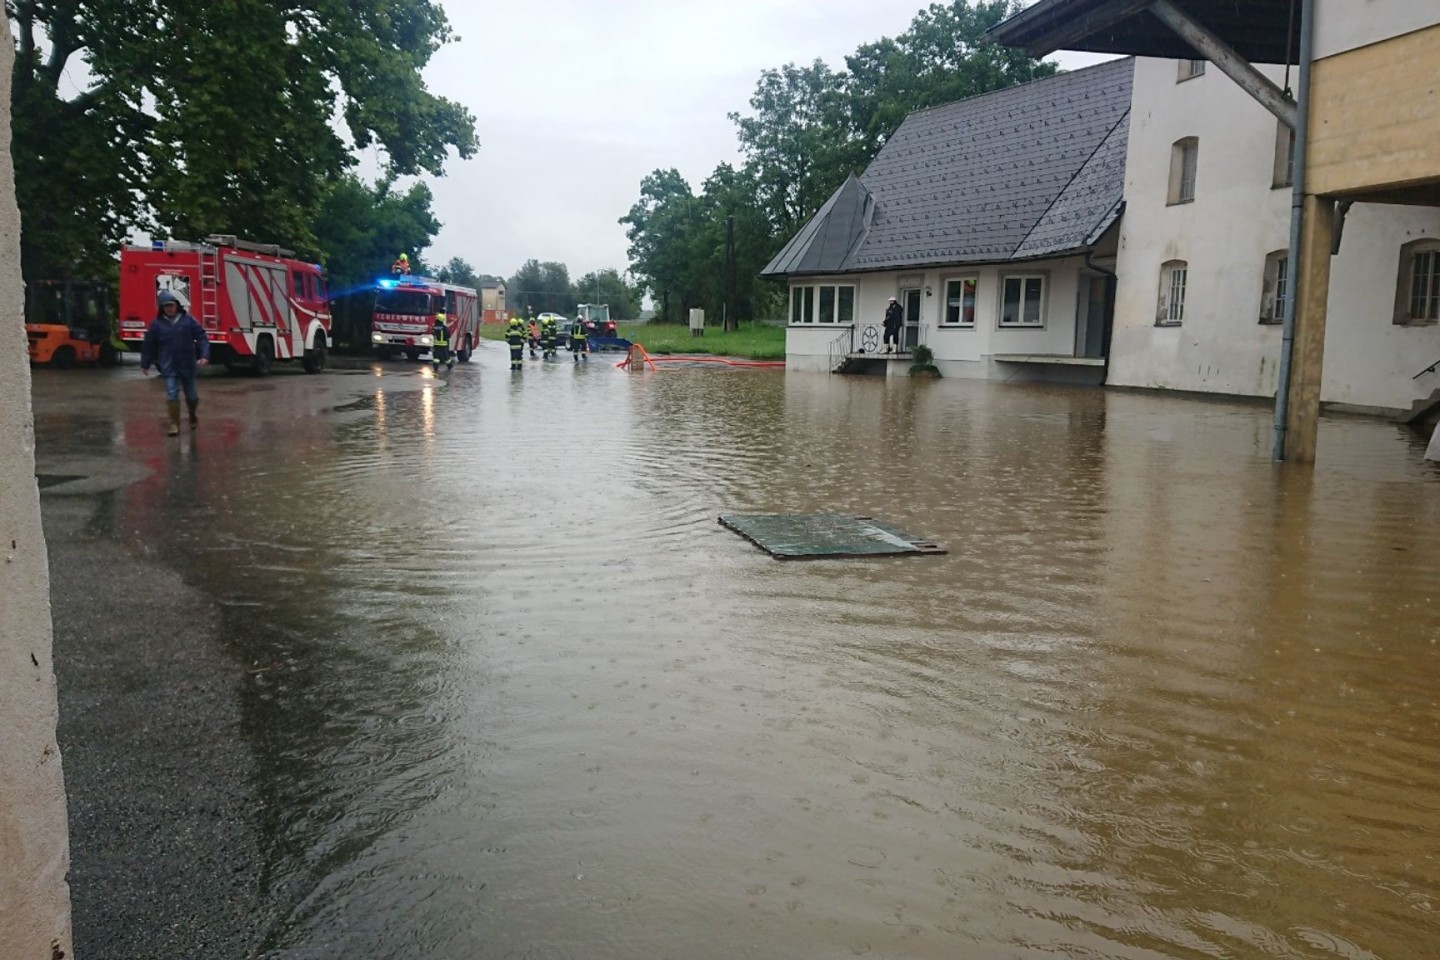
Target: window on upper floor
<point x="1417" y="293"/>
<point x="1170" y="310"/>
<point x="1277" y="288"/>
<point x="1022" y="300"/>
<point x="1184" y="159"/>
<point x="822" y="303"/>
<point x="1190" y="69"/>
<point x="1284" y="173"/>
<point x="959" y="302"/>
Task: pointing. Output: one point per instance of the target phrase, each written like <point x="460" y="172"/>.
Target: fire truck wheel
<point x="315" y="357"/>
<point x="264" y="357"/>
<point x="412" y="355"/>
<point x="64" y="358"/>
<point x="464" y="355"/>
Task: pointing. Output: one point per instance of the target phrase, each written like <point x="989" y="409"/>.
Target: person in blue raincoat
<point x="176" y="344"/>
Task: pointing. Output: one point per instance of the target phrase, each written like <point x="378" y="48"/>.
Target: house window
<point x="1284" y="172"/>
<point x="823" y="303"/>
<point x="1184" y="158"/>
<point x="959" y="302"/>
<point x="1189" y="69"/>
<point x="1276" y="291"/>
<point x="1171" y="309"/>
<point x="1417" y="295"/>
<point x="1023" y="301"/>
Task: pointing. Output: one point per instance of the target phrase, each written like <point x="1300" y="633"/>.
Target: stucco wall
<point x="1224" y="236"/>
<point x="959" y="351"/>
<point x="1346" y="24"/>
<point x="34" y="848"/>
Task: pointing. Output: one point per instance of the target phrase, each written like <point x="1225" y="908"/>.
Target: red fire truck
<point x="256" y="301"/>
<point x="407" y="308"/>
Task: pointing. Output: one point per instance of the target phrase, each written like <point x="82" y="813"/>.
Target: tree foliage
<point x="543" y="287"/>
<point x="608" y="286"/>
<point x="808" y="128"/>
<point x="213" y="117"/>
<point x="457" y="270"/>
<point x="365" y="226"/>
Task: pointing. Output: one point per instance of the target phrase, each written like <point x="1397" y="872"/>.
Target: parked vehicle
<point x="407" y="309"/>
<point x="68" y="322"/>
<point x="257" y="303"/>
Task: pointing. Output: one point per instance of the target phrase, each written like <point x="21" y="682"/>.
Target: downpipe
<point x="1297" y="212"/>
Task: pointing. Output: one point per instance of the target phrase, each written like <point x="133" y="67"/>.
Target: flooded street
<point x="502" y="687"/>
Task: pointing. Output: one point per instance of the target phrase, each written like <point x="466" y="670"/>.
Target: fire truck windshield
<point x="412" y="303"/>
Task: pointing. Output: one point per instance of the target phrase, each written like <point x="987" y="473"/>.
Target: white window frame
<point x="1024" y="279"/>
<point x="1184" y="170"/>
<point x="962" y="323"/>
<point x="1189" y="70"/>
<point x="809" y="311"/>
<point x="1417" y="293"/>
<point x="1283" y="173"/>
<point x="1170" y="309"/>
<point x="1278" y="287"/>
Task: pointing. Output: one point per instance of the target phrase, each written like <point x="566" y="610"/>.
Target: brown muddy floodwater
<point x="523" y="697"/>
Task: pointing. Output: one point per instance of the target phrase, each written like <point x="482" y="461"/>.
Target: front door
<point x="910" y="332"/>
<point x="1094" y="314"/>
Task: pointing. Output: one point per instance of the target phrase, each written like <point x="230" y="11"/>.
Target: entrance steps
<point x="1426" y="408"/>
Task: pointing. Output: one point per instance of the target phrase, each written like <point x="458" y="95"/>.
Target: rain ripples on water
<point x="515" y="693"/>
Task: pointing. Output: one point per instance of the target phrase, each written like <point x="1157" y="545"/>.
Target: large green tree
<point x="608" y="286"/>
<point x="213" y="117"/>
<point x="542" y="286"/>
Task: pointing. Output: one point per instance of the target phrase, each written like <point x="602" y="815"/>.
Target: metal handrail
<point x="841" y="347"/>
<point x="1426" y="370"/>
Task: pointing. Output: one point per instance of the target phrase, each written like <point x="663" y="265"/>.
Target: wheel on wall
<point x="264" y="357"/>
<point x="314" y="361"/>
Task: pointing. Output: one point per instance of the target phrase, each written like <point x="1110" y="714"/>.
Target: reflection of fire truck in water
<point x="407" y="309"/>
<point x="257" y="303"/>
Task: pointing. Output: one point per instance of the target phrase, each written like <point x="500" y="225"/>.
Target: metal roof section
<point x="1261" y="31"/>
<point x="822" y="536"/>
<point x="1089" y="203"/>
<point x="825" y="242"/>
<point x="1039" y="165"/>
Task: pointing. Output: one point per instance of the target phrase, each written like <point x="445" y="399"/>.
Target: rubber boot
<point x="191" y="405"/>
<point x="173" y="407"/>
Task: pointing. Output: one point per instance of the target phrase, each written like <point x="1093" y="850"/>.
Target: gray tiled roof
<point x="1033" y="170"/>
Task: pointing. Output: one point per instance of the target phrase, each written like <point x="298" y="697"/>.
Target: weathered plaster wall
<point x="1224" y="236"/>
<point x="34" y="847"/>
<point x="1347" y="24"/>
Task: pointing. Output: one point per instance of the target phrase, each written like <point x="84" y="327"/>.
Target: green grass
<point x="753" y="341"/>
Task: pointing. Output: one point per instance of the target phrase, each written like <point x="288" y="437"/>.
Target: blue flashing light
<point x="387" y="284"/>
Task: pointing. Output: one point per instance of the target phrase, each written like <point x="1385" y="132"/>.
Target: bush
<point x="924" y="362"/>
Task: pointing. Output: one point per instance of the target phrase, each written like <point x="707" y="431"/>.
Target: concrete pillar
<point x="1307" y="357"/>
<point x="34" y="842"/>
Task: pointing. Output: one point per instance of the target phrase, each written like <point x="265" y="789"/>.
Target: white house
<point x="1203" y="275"/>
<point x="992" y="220"/>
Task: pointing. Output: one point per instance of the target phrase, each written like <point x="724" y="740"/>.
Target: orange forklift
<point x="69" y="322"/>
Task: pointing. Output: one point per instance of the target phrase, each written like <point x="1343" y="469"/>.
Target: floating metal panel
<point x="820" y="535"/>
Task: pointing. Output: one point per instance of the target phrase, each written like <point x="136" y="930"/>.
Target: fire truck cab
<point x="407" y="308"/>
<point x="257" y="303"/>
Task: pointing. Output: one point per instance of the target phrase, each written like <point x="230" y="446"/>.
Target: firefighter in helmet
<point x="579" y="346"/>
<point x="401" y="266"/>
<point x="440" y="344"/>
<point x="548" y="336"/>
<point x="515" y="338"/>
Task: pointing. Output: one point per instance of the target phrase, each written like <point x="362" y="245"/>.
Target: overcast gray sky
<point x="576" y="101"/>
